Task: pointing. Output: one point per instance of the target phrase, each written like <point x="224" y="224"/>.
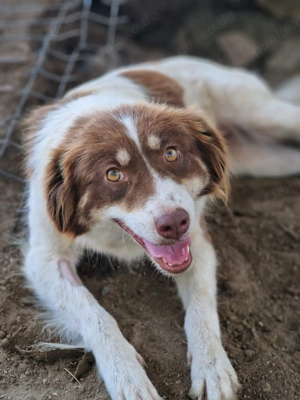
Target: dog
<point x="141" y="152"/>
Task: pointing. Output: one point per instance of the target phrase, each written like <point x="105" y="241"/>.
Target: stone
<point x="238" y="48"/>
<point x="287" y="58"/>
<point x="202" y="31"/>
<point x="4" y="343"/>
<point x="104" y="290"/>
<point x="280" y="9"/>
<point x="249" y="353"/>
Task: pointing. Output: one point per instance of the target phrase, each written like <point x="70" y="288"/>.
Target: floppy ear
<point x="214" y="154"/>
<point x="62" y="194"/>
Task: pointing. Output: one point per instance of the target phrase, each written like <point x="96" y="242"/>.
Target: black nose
<point x="173" y="225"/>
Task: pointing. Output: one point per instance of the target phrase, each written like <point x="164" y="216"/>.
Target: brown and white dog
<point x="139" y="153"/>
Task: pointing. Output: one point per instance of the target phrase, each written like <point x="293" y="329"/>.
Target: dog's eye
<point x="114" y="175"/>
<point x="172" y="154"/>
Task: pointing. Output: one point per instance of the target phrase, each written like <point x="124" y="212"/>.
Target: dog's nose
<point x="173" y="225"/>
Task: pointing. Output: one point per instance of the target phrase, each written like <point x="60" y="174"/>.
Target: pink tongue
<point x="174" y="254"/>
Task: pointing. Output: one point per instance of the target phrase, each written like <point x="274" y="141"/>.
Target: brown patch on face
<point x="76" y="183"/>
<point x="202" y="150"/>
<point x="160" y="87"/>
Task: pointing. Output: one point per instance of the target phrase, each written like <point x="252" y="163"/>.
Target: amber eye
<point x="114" y="175"/>
<point x="172" y="154"/>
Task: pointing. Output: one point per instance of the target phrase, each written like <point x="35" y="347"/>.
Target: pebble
<point x="2" y="335"/>
<point x="4" y="343"/>
<point x="44" y="381"/>
<point x="105" y="290"/>
<point x="267" y="388"/>
<point x="249" y="353"/>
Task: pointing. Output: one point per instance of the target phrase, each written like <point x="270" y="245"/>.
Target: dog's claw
<point x="213" y="380"/>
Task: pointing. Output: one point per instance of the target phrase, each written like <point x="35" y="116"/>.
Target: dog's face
<point x="142" y="166"/>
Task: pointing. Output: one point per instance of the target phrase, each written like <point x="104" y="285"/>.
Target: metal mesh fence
<point x="31" y="33"/>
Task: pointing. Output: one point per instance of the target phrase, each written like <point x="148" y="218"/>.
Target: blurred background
<point x="48" y="47"/>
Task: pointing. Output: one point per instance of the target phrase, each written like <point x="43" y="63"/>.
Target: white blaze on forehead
<point x="153" y="142"/>
<point x="123" y="157"/>
<point x="131" y="129"/>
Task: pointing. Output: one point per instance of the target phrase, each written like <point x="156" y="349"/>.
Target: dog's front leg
<point x="211" y="371"/>
<point x="53" y="277"/>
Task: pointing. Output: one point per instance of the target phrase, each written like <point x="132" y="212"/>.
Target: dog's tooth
<point x="171" y="265"/>
<point x="188" y="249"/>
<point x="164" y="261"/>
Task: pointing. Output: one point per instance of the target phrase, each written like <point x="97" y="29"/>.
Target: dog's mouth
<point x="174" y="259"/>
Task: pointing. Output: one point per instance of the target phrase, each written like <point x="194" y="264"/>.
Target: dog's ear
<point x="62" y="194"/>
<point x="213" y="152"/>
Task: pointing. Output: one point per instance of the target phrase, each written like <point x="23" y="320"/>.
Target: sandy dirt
<point x="257" y="238"/>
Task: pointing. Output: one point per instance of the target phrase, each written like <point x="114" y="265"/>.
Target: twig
<point x="73" y="376"/>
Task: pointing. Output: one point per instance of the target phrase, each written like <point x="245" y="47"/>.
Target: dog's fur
<point x="126" y="119"/>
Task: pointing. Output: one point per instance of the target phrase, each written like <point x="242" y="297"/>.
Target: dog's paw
<point x="212" y="375"/>
<point x="126" y="379"/>
<point x="133" y="384"/>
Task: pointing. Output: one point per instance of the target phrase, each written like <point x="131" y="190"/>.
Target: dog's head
<point x="144" y="167"/>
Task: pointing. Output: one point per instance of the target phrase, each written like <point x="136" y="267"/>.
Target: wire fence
<point x="62" y="14"/>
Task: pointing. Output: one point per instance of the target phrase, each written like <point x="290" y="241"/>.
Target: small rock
<point x="280" y="9"/>
<point x="2" y="335"/>
<point x="287" y="58"/>
<point x="249" y="353"/>
<point x="238" y="48"/>
<point x="267" y="388"/>
<point x="131" y="271"/>
<point x="4" y="343"/>
<point x="104" y="290"/>
<point x="45" y="381"/>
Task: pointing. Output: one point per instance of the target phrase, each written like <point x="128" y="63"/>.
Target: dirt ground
<point x="257" y="238"/>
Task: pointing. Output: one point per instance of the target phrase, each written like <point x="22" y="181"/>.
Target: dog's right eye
<point x="114" y="175"/>
<point x="172" y="154"/>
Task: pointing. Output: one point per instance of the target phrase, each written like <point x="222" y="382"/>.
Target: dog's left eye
<point x="172" y="154"/>
<point x="114" y="175"/>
